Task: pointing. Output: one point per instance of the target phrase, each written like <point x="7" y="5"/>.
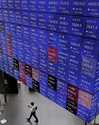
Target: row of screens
<point x="50" y="42"/>
<point x="87" y="8"/>
<point x="87" y="27"/>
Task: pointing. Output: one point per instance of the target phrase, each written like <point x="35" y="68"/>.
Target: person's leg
<point x="5" y="98"/>
<point x="36" y="119"/>
<point x="85" y="123"/>
<point x="30" y="116"/>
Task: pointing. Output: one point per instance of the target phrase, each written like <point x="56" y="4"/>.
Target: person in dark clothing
<point x="5" y="90"/>
<point x="33" y="112"/>
<point x="5" y="98"/>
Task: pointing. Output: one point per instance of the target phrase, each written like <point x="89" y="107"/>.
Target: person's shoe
<point x="28" y="119"/>
<point x="36" y="121"/>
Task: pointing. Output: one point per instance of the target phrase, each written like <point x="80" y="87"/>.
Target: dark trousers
<point x="5" y="98"/>
<point x="34" y="115"/>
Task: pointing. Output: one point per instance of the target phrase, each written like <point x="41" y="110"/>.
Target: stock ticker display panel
<point x="53" y="45"/>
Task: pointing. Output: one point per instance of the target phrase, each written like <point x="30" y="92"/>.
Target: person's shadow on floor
<point x="30" y="123"/>
<point x="36" y="123"/>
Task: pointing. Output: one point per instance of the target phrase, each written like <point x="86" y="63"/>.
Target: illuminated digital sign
<point x="52" y="45"/>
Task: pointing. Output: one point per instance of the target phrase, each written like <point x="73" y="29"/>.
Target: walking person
<point x="5" y="90"/>
<point x="33" y="112"/>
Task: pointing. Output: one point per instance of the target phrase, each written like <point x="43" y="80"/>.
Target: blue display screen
<point x="53" y="45"/>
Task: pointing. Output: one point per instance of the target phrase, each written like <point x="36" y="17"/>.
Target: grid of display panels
<point x="53" y="45"/>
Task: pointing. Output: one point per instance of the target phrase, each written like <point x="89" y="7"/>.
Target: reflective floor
<point x="49" y="113"/>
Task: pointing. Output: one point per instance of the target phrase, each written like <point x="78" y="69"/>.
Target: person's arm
<point x="29" y="106"/>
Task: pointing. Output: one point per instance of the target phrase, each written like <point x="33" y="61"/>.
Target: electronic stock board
<point x="54" y="46"/>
